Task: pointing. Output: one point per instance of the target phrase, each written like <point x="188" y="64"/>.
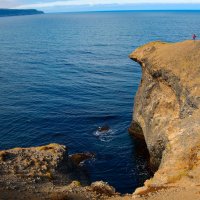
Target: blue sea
<point x="64" y="75"/>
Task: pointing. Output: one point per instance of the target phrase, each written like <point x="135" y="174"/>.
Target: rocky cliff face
<point x="166" y="110"/>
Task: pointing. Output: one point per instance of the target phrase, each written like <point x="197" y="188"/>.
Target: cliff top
<point x="181" y="58"/>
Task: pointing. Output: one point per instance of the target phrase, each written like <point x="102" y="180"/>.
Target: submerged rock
<point x="103" y="129"/>
<point x="166" y="110"/>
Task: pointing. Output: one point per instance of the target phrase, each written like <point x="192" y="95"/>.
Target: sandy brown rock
<point x="75" y="191"/>
<point x="45" y="172"/>
<point x="164" y="193"/>
<point x="167" y="110"/>
<point x="32" y="162"/>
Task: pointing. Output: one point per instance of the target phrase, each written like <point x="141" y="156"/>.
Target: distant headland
<point x="18" y="12"/>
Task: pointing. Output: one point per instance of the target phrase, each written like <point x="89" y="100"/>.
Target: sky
<point x="98" y="5"/>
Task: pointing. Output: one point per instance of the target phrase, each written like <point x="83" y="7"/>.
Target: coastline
<point x="165" y="115"/>
<point x="19" y="12"/>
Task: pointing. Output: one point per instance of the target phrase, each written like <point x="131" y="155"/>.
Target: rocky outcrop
<point x="166" y="110"/>
<point x="47" y="172"/>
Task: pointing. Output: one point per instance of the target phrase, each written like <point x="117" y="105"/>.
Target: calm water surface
<point x="64" y="75"/>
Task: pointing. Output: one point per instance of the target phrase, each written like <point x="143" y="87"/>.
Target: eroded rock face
<point x="166" y="109"/>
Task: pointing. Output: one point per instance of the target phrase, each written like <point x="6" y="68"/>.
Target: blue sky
<point x="92" y="5"/>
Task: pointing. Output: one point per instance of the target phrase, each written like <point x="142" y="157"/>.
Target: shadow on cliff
<point x="141" y="156"/>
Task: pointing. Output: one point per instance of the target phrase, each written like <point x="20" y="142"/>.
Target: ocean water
<point x="64" y="75"/>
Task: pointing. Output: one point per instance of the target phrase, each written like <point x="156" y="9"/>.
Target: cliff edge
<point x="166" y="111"/>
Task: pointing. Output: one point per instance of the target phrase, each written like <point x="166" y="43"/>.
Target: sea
<point x="62" y="76"/>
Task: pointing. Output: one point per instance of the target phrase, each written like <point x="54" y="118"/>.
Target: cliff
<point x="166" y="115"/>
<point x="17" y="12"/>
<point x="166" y="112"/>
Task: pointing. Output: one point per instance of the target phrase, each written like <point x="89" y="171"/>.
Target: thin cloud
<point x="8" y="3"/>
<point x="101" y="2"/>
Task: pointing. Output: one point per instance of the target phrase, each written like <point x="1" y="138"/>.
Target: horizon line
<point x="145" y="10"/>
<point x="114" y="10"/>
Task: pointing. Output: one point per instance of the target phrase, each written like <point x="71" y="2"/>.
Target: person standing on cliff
<point x="194" y="37"/>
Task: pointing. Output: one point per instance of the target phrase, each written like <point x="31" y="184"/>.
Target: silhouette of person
<point x="194" y="37"/>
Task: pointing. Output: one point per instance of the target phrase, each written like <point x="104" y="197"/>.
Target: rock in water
<point x="80" y="157"/>
<point x="166" y="110"/>
<point x="103" y="129"/>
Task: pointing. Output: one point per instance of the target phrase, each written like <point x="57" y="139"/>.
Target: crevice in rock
<point x="136" y="130"/>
